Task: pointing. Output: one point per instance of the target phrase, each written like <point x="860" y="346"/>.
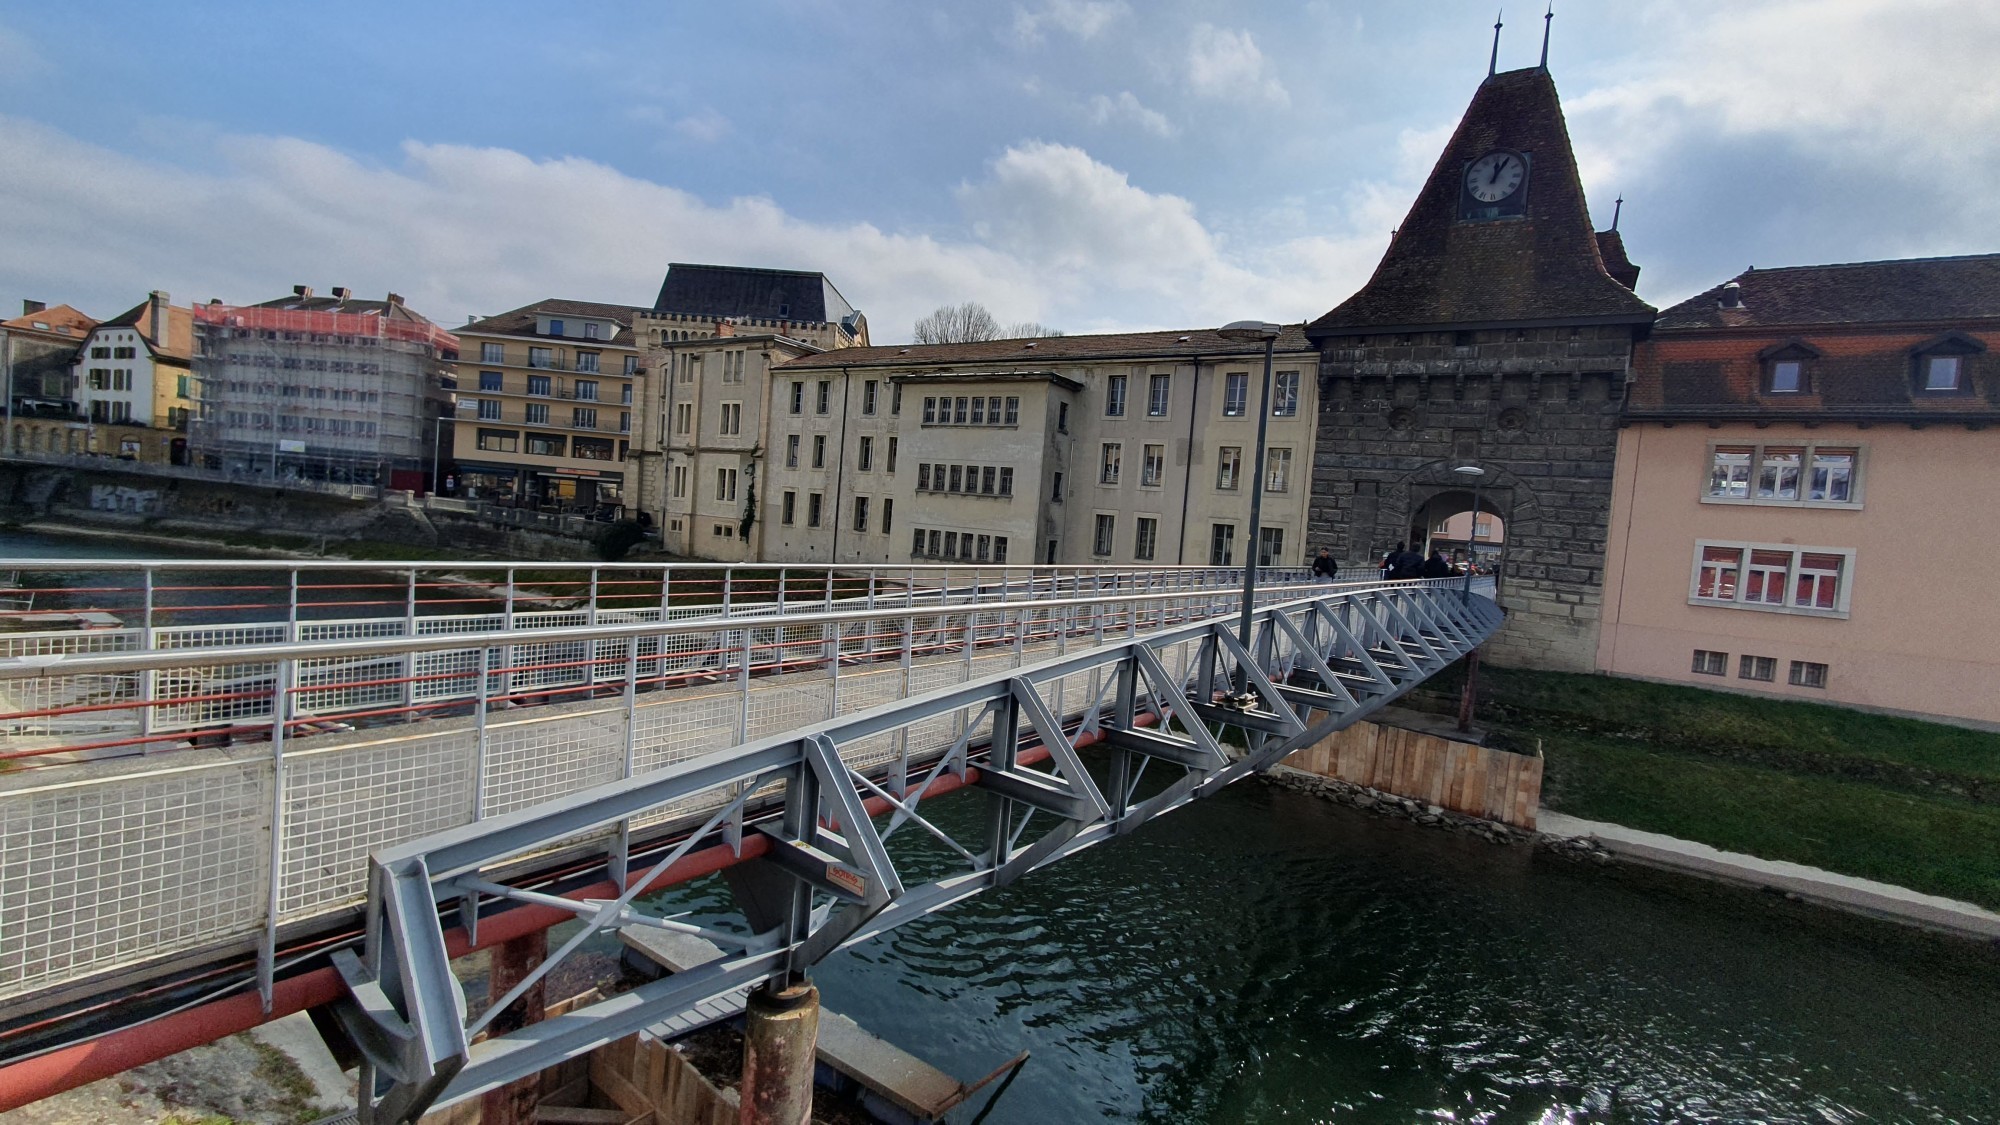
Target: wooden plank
<point x="577" y="1115"/>
<point x="604" y="1075"/>
<point x="909" y="1082"/>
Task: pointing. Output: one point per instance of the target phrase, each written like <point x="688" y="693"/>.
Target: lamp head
<point x="1250" y="330"/>
<point x="1470" y="470"/>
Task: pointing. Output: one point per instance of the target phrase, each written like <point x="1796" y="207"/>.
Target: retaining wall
<point x="1460" y="776"/>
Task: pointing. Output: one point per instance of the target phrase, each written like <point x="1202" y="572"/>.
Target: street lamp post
<point x="1254" y="330"/>
<point x="1478" y="476"/>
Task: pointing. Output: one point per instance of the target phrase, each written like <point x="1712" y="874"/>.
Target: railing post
<point x="482" y="703"/>
<point x="148" y="679"/>
<point x="410" y="658"/>
<point x="267" y="949"/>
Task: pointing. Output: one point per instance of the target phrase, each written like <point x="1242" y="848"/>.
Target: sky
<point x="1093" y="165"/>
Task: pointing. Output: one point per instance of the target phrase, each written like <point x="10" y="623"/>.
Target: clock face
<point x="1495" y="176"/>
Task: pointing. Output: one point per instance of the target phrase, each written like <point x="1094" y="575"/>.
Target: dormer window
<point x="555" y="327"/>
<point x="1788" y="368"/>
<point x="589" y="331"/>
<point x="1944" y="366"/>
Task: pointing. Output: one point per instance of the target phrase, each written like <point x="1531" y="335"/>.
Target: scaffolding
<point x="336" y="397"/>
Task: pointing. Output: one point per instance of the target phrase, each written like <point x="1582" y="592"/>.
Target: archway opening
<point x="1446" y="522"/>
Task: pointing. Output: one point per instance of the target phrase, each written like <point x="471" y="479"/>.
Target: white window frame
<point x="1857" y="483"/>
<point x="1739" y="600"/>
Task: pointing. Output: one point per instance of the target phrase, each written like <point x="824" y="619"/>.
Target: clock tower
<point x="1494" y="335"/>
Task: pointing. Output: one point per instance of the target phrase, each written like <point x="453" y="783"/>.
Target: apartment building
<point x="1802" y="448"/>
<point x="133" y="383"/>
<point x="334" y="389"/>
<point x="38" y="352"/>
<point x="547" y="396"/>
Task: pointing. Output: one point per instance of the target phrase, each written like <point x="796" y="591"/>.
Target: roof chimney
<point x="395" y="298"/>
<point x="29" y="308"/>
<point x="342" y="293"/>
<point x="1732" y="296"/>
<point x="725" y="327"/>
<point x="156" y="317"/>
<point x="302" y="291"/>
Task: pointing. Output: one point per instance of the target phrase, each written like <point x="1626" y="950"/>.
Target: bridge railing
<point x="110" y="866"/>
<point x="197" y="607"/>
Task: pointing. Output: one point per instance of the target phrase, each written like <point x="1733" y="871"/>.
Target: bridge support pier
<point x="516" y="1102"/>
<point x="780" y="1030"/>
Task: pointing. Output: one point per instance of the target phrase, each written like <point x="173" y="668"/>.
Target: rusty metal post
<point x="780" y="1030"/>
<point x="1469" y="692"/>
<point x="516" y="1102"/>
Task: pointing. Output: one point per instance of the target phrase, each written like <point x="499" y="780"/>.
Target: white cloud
<point x="1081" y="18"/>
<point x="707" y="125"/>
<point x="1226" y="64"/>
<point x="19" y="61"/>
<point x="1127" y="108"/>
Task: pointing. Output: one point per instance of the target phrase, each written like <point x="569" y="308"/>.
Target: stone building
<point x="1791" y="515"/>
<point x="37" y="358"/>
<point x="1495" y="333"/>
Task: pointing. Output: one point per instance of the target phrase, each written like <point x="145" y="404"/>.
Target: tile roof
<point x="743" y="291"/>
<point x="1185" y="344"/>
<point x="394" y="310"/>
<point x="179" y="344"/>
<point x="57" y="318"/>
<point x="1545" y="266"/>
<point x="521" y="321"/>
<point x="1908" y="290"/>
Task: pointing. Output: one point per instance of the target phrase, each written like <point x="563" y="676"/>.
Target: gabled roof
<point x="392" y="310"/>
<point x="1184" y="344"/>
<point x="178" y="347"/>
<point x="53" y="321"/>
<point x="1907" y="290"/>
<point x="742" y="291"/>
<point x="521" y="321"/>
<point x="1543" y="267"/>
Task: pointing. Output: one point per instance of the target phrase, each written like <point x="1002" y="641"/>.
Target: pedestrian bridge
<point x="200" y="784"/>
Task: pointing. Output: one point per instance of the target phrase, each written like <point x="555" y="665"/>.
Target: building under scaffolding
<point x="329" y="389"/>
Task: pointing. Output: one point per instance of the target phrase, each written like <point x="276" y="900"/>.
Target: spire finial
<point x="1548" y="17"/>
<point x="1617" y="206"/>
<point x="1493" y="61"/>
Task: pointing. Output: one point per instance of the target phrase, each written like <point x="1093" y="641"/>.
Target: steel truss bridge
<point x="330" y="857"/>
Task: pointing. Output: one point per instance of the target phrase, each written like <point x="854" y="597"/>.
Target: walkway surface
<point x="1842" y="892"/>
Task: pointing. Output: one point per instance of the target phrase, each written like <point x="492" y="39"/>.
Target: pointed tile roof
<point x="1906" y="290"/>
<point x="1542" y="267"/>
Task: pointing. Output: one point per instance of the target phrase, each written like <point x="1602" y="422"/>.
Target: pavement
<point x="1841" y="892"/>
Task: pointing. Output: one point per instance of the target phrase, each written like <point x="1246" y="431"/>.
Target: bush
<point x="614" y="542"/>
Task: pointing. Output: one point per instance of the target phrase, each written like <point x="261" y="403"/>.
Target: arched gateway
<point x="1496" y="333"/>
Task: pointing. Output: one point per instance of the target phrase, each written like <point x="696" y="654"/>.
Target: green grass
<point x="1942" y="846"/>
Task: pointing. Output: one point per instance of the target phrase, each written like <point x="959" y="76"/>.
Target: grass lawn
<point x="1939" y="845"/>
<point x="1900" y="800"/>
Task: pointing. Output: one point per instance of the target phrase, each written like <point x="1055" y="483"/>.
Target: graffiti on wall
<point x="125" y="498"/>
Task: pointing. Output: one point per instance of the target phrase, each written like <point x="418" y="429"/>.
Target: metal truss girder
<point x="826" y="841"/>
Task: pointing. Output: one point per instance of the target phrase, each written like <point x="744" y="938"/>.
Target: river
<point x="1264" y="956"/>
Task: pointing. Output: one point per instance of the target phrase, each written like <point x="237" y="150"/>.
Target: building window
<point x="1763" y="668"/>
<point x="1100" y="543"/>
<point x="1708" y="663"/>
<point x="824" y="399"/>
<point x="1114" y="397"/>
<point x="540" y="385"/>
<point x="586" y="361"/>
<point x="950" y="544"/>
<point x="541" y="357"/>
<point x="789" y="511"/>
<point x="583" y="417"/>
<point x="1229" y="468"/>
<point x="631" y="368"/>
<point x="1062" y="417"/>
<point x="999" y="548"/>
<point x="957" y="480"/>
<point x="1277" y="470"/>
<point x="732" y="418"/>
<point x="1285" y="395"/>
<point x="1775" y="577"/>
<point x="930" y="409"/>
<point x="492" y="353"/>
<point x="1013" y="410"/>
<point x="555" y="328"/>
<point x="680" y="481"/>
<point x="791" y="451"/>
<point x="895" y="398"/>
<point x="979" y="410"/>
<point x="725" y="484"/>
<point x="536" y="413"/>
<point x="489" y="410"/>
<point x="1056" y="493"/>
<point x="488" y="381"/>
<point x="1805" y="673"/>
<point x="917" y="543"/>
<point x="1146" y="541"/>
<point x="586" y="389"/>
<point x="1235" y="394"/>
<point x="1006" y="481"/>
<point x="798" y="398"/>
<point x="1784" y="474"/>
<point x="986" y="480"/>
<point x="1270" y="546"/>
<point x="684" y="417"/>
<point x="812" y="509"/>
<point x="1941" y="372"/>
<point x="1153" y="470"/>
<point x="1158" y="389"/>
<point x="864" y="454"/>
<point x="861" y="513"/>
<point x="499" y="441"/>
<point x="1787" y="376"/>
<point x="890" y="465"/>
<point x="888" y="513"/>
<point x="1108" y="463"/>
<point x="819" y="451"/>
<point x="924" y="477"/>
<point x="1222" y="544"/>
<point x="546" y="445"/>
<point x="868" y="397"/>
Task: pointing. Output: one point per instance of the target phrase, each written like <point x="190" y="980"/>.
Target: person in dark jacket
<point x="1324" y="566"/>
<point x="1405" y="564"/>
<point x="1437" y="566"/>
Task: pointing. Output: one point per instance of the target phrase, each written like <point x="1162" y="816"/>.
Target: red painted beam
<point x="66" y="1068"/>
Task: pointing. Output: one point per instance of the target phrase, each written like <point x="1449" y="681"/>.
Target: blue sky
<point x="1091" y="164"/>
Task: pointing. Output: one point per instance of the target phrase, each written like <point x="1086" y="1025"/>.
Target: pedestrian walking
<point x="1324" y="566"/>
